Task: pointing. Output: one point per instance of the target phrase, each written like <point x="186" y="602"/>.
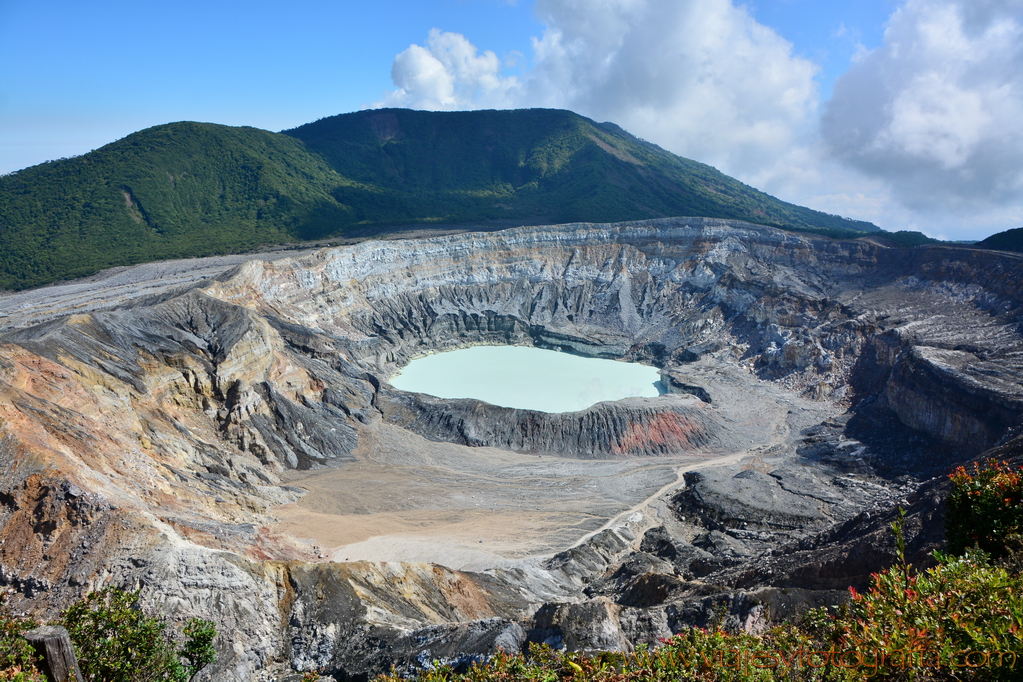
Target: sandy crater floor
<point x="411" y="499"/>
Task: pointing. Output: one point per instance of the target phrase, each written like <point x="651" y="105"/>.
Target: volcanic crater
<point x="228" y="441"/>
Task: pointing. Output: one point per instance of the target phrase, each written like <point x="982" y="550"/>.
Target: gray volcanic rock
<point x="631" y="427"/>
<point x="457" y="645"/>
<point x="722" y="499"/>
<point x="151" y="444"/>
<point x="682" y="555"/>
<point x="844" y="555"/>
<point x="590" y="626"/>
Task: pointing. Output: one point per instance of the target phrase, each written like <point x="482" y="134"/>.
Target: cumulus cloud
<point x="699" y="77"/>
<point x="921" y="133"/>
<point x="449" y="73"/>
<point x="936" y="110"/>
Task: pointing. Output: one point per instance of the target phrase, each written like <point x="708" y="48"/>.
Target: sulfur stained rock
<point x="633" y="427"/>
<point x="148" y="442"/>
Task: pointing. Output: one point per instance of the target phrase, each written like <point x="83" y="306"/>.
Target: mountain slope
<point x="1009" y="240"/>
<point x="177" y="190"/>
<point x="192" y="189"/>
<point x="473" y="165"/>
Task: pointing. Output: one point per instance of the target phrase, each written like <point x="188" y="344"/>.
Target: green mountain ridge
<point x="1009" y="240"/>
<point x="193" y="189"/>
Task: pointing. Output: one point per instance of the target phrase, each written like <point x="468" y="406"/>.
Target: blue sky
<point x="903" y="112"/>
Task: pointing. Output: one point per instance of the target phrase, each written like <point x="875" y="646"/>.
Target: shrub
<point x="782" y="653"/>
<point x="963" y="613"/>
<point x="17" y="659"/>
<point x="962" y="617"/>
<point x="694" y="655"/>
<point x="116" y="642"/>
<point x="198" y="650"/>
<point x="985" y="508"/>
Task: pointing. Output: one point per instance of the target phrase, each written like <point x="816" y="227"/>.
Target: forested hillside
<point x="194" y="189"/>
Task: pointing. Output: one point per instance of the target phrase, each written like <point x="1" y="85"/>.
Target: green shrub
<point x="116" y="642"/>
<point x="782" y="653"/>
<point x="696" y="655"/>
<point x="17" y="659"/>
<point x="962" y="619"/>
<point x="985" y="508"/>
<point x="198" y="651"/>
<point x="961" y="614"/>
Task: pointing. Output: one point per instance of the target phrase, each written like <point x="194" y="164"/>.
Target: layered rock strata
<point x="150" y="444"/>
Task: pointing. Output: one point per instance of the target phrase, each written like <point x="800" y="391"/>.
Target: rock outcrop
<point x="149" y="445"/>
<point x="632" y="427"/>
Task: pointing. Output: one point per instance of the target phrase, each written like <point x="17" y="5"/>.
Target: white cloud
<point x="936" y="111"/>
<point x="699" y="77"/>
<point x="922" y="133"/>
<point x="449" y="73"/>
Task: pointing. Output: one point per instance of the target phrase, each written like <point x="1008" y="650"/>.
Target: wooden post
<point x="53" y="644"/>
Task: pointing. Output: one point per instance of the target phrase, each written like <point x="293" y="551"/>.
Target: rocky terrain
<point x="227" y="440"/>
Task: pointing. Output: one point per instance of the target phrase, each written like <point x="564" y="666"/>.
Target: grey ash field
<point x="222" y="434"/>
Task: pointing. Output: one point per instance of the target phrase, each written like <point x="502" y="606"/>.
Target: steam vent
<point x="223" y="435"/>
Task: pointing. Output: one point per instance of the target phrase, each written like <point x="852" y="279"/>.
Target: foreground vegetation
<point x="961" y="619"/>
<point x="114" y="642"/>
<point x="958" y="620"/>
<point x="197" y="189"/>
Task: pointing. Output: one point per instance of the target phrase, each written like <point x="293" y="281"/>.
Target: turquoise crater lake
<point x="527" y="378"/>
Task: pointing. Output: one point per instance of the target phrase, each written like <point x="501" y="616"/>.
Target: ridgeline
<point x="197" y="189"/>
<point x="1010" y="240"/>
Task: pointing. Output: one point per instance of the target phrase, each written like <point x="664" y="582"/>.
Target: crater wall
<point x="150" y="444"/>
<point x="807" y="311"/>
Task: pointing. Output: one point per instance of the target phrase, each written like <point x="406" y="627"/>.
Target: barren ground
<point x="411" y="499"/>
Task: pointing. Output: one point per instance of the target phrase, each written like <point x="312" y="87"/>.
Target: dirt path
<point x="410" y="499"/>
